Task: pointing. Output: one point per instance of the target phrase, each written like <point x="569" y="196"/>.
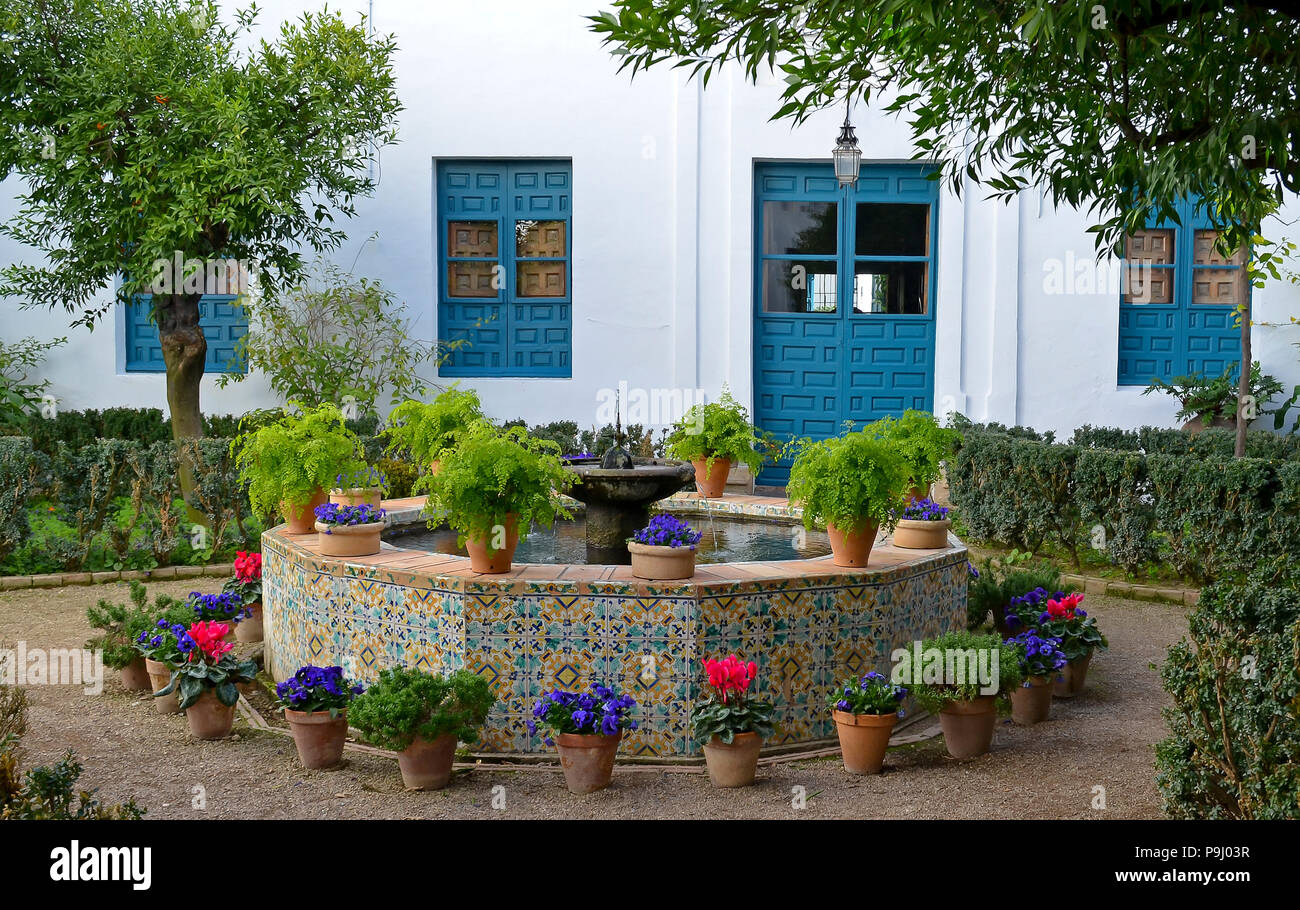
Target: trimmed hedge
<point x="1208" y="515"/>
<point x="1234" y="744"/>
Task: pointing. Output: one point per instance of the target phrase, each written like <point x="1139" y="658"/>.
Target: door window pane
<point x="535" y="239"/>
<point x="898" y="288"/>
<point x="540" y="279"/>
<point x="471" y="239"/>
<point x="472" y="279"/>
<point x="892" y="229"/>
<point x="800" y="287"/>
<point x="800" y="228"/>
<point x="1148" y="266"/>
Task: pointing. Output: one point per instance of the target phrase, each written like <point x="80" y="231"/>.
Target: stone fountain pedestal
<point x="618" y="500"/>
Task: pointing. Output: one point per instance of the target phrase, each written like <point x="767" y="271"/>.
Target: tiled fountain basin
<point x="808" y="623"/>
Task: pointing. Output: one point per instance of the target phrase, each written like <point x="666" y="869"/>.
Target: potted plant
<point x="315" y="702"/>
<point x="865" y="711"/>
<point x="922" y="525"/>
<point x="421" y="717"/>
<point x="1205" y="403"/>
<point x="924" y="445"/>
<point x="966" y="678"/>
<point x="246" y="584"/>
<point x="1040" y="660"/>
<point x="348" y="530"/>
<point x="852" y="483"/>
<point x="713" y="436"/>
<point x="493" y="487"/>
<point x="361" y="486"/>
<point x="421" y="432"/>
<point x="226" y="607"/>
<point x="290" y="461"/>
<point x="1079" y="637"/>
<point x="730" y="724"/>
<point x="586" y="727"/>
<point x="119" y="626"/>
<point x="664" y="549"/>
<point x="207" y="680"/>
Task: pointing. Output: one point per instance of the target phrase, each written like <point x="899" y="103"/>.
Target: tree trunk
<point x="185" y="351"/>
<point x="1243" y="384"/>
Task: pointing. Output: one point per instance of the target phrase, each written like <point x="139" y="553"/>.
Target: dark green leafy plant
<point x="716" y="429"/>
<point x="1208" y="400"/>
<point x="729" y="708"/>
<point x="998" y="584"/>
<point x="44" y="792"/>
<point x="289" y="459"/>
<point x="420" y="432"/>
<point x="120" y="625"/>
<point x="924" y="445"/>
<point x="405" y="704"/>
<point x="492" y="474"/>
<point x="1234" y="744"/>
<point x="220" y="676"/>
<point x="961" y="666"/>
<point x="852" y="480"/>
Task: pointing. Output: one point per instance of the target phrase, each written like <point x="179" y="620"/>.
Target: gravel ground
<point x="1102" y="739"/>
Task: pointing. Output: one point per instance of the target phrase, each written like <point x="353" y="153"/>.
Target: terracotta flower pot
<point x="851" y="548"/>
<point x="661" y="563"/>
<point x="1031" y="701"/>
<point x="349" y="540"/>
<point x="357" y="496"/>
<point x="913" y="534"/>
<point x="864" y="739"/>
<point x="733" y="765"/>
<point x="209" y="718"/>
<point x="494" y="562"/>
<point x="711" y="481"/>
<point x="435" y="466"/>
<point x="587" y="760"/>
<point x="968" y="726"/>
<point x="427" y="765"/>
<point x="1197" y="424"/>
<point x="1073" y="677"/>
<point x="303" y="520"/>
<point x="318" y="736"/>
<point x="250" y="627"/>
<point x="159" y="676"/>
<point x="135" y="677"/>
<point x="918" y="493"/>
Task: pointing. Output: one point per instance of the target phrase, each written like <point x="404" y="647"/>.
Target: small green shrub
<point x="420" y="432"/>
<point x="936" y="684"/>
<point x="1210" y="399"/>
<point x="493" y="473"/>
<point x="851" y="480"/>
<point x="119" y="625"/>
<point x="288" y="459"/>
<point x="18" y="482"/>
<point x="20" y="394"/>
<point x="924" y="445"/>
<point x="1234" y="744"/>
<point x="404" y="704"/>
<point x="716" y="429"/>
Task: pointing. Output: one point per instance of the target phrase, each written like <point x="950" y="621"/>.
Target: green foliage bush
<point x="492" y="473"/>
<point x="20" y="394"/>
<point x="991" y="592"/>
<point x="419" y="432"/>
<point x="1234" y="744"/>
<point x="288" y="459"/>
<point x="119" y="625"/>
<point x="851" y="480"/>
<point x="923" y="444"/>
<point x="19" y="472"/>
<point x="935" y="695"/>
<point x="716" y="429"/>
<point x="1181" y="503"/>
<point x="44" y="792"/>
<point x="404" y="704"/>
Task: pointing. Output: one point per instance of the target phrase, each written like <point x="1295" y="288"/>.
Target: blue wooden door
<point x="504" y="276"/>
<point x="844" y="284"/>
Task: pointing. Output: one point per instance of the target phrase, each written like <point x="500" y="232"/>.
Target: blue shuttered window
<point x="1178" y="301"/>
<point x="504" y="267"/>
<point x="223" y="322"/>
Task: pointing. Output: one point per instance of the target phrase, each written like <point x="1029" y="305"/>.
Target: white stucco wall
<point x="662" y="233"/>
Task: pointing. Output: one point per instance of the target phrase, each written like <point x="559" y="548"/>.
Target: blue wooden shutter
<point x="221" y="318"/>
